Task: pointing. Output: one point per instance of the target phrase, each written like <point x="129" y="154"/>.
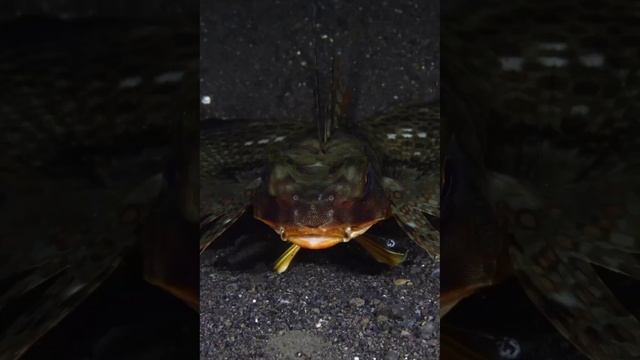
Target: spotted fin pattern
<point x="559" y="230"/>
<point x="232" y="155"/>
<point x="550" y="88"/>
<point x="570" y="293"/>
<point x="407" y="140"/>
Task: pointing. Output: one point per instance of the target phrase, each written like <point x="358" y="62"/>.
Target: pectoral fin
<point x="214" y="224"/>
<point x="416" y="224"/>
<point x="282" y="264"/>
<point x="558" y="237"/>
<point x="578" y="303"/>
<point x="379" y="250"/>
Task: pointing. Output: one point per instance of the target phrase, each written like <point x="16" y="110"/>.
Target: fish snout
<point x="313" y="211"/>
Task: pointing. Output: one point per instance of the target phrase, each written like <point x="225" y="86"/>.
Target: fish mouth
<point x="315" y="242"/>
<point x="317" y="238"/>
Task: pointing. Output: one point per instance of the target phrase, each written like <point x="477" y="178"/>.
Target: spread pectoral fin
<point x="377" y="248"/>
<point x="573" y="297"/>
<point x="214" y="225"/>
<point x="416" y="224"/>
<point x="609" y="234"/>
<point x="415" y="200"/>
<point x="406" y="135"/>
<point x="554" y="245"/>
<point x="603" y="253"/>
<point x="232" y="153"/>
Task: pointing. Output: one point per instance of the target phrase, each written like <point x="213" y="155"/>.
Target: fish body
<point x="320" y="194"/>
<point x="316" y="194"/>
<point x="543" y="97"/>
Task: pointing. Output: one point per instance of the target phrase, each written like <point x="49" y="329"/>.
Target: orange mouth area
<point x="317" y="238"/>
<point x="315" y="242"/>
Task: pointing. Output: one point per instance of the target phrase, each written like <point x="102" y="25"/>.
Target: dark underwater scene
<point x="95" y="105"/>
<point x="540" y="204"/>
<point x="270" y="71"/>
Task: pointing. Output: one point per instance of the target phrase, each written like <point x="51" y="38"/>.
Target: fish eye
<point x="331" y="198"/>
<point x="295" y="197"/>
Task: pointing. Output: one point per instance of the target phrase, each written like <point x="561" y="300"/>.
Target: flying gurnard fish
<point x="325" y="181"/>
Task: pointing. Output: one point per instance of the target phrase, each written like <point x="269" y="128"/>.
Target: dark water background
<point x="258" y="57"/>
<point x="79" y="9"/>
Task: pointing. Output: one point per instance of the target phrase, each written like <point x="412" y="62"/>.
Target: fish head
<point x="317" y="195"/>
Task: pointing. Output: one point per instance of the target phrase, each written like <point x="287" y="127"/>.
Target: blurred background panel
<point x="65" y="9"/>
<point x="98" y="241"/>
<point x="545" y="94"/>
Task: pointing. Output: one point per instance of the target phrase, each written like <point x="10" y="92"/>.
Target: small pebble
<point x="392" y="355"/>
<point x="427" y="330"/>
<point x="402" y="282"/>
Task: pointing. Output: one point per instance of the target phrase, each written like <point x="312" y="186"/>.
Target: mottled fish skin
<point x="554" y="86"/>
<point x="405" y="141"/>
<point x="75" y="92"/>
<point x="232" y="154"/>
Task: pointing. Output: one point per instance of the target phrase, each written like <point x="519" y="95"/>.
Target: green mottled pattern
<point x="405" y="140"/>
